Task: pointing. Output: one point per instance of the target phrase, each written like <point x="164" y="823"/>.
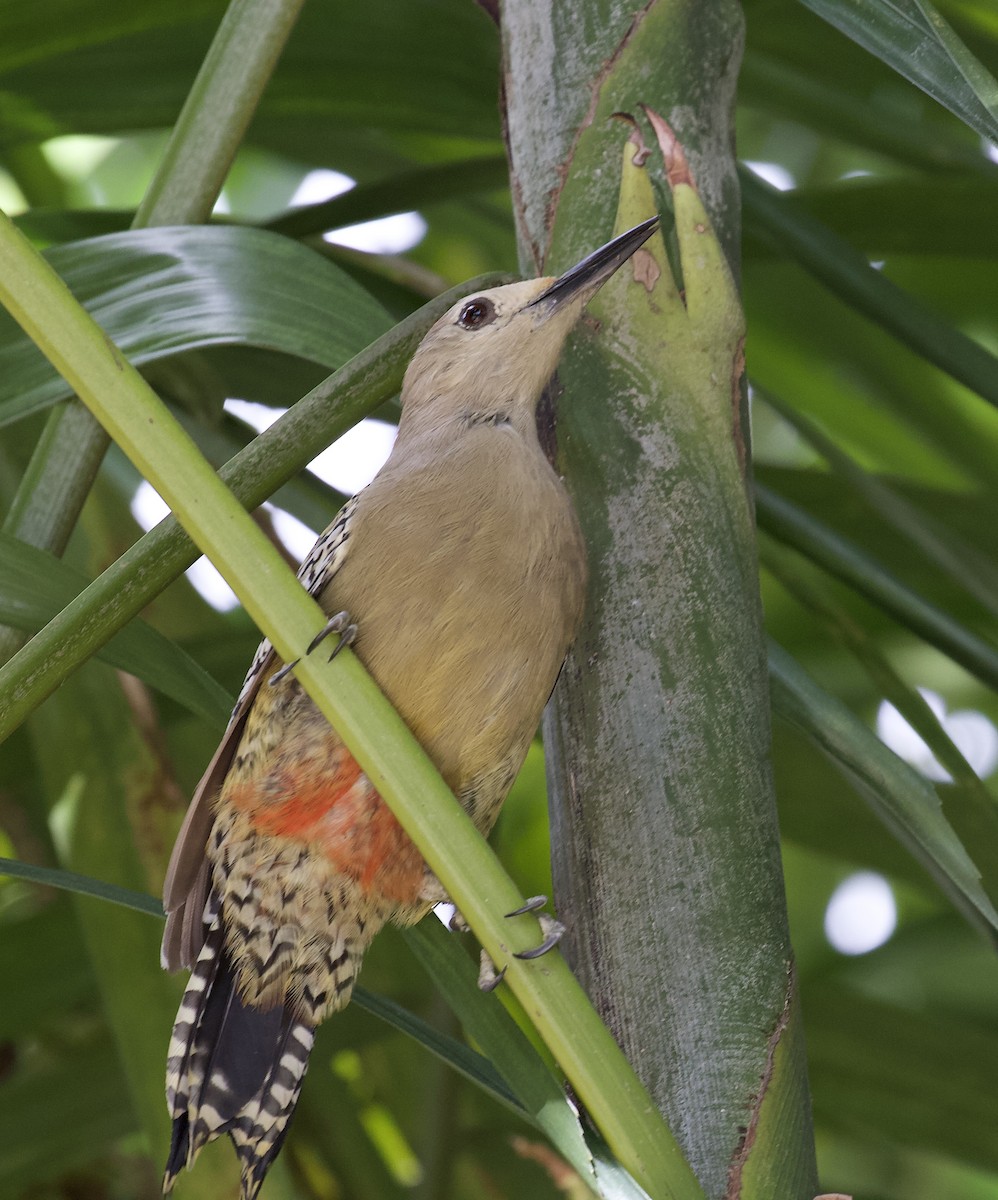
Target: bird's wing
<point x="185" y="889"/>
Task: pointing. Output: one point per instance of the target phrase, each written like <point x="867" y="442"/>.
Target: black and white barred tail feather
<point x="231" y="1068"/>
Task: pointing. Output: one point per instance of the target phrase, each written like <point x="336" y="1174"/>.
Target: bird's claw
<point x="457" y="923"/>
<point x="338" y="623"/>
<point x="277" y="676"/>
<point x="488" y="977"/>
<point x="553" y="932"/>
<point x="531" y="905"/>
<point x="341" y="624"/>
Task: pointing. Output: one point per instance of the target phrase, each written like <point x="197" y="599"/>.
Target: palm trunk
<point x="666" y="852"/>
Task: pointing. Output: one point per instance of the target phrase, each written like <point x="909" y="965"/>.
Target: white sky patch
<point x="350" y="463"/>
<point x="321" y="185"/>
<point x="774" y="173"/>
<point x="353" y="460"/>
<point x="861" y="914"/>
<point x="386" y="235"/>
<point x="12" y="199"/>
<point x="990" y="149"/>
<point x="257" y="416"/>
<point x="973" y="733"/>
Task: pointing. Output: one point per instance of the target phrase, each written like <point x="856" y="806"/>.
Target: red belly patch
<point x="328" y="802"/>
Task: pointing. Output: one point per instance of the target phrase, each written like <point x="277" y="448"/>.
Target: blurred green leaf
<point x="912" y="38"/>
<point x="34" y="586"/>
<point x="63" y="1113"/>
<point x="348" y="89"/>
<point x="849" y="562"/>
<point x="772" y="215"/>
<point x="395" y="194"/>
<point x="44" y="953"/>
<point x="157" y="292"/>
<point x="82" y="885"/>
<point x="886" y="1073"/>
<point x="940" y="544"/>
<point x="970" y="807"/>
<point x="845" y="106"/>
<point x="530" y="1076"/>
<point x="951" y="214"/>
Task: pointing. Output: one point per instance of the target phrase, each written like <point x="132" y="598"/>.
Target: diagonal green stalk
<point x="128" y="585"/>
<point x="217" y="112"/>
<point x="184" y="190"/>
<point x="374" y="733"/>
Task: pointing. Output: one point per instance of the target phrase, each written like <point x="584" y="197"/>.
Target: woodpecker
<point x="458" y="575"/>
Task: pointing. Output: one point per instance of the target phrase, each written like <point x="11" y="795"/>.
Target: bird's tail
<point x="231" y="1068"/>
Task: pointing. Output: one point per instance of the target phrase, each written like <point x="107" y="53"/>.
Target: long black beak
<point x="586" y="277"/>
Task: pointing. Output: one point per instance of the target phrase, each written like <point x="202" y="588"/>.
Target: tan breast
<point x="465" y="574"/>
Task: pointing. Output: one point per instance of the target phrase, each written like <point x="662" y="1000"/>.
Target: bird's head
<point x="492" y="353"/>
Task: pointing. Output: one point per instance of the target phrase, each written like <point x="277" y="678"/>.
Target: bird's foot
<point x="553" y="932"/>
<point x="457" y="922"/>
<point x="277" y="676"/>
<point x="338" y="623"/>
<point x="489" y="976"/>
<point x="341" y="624"/>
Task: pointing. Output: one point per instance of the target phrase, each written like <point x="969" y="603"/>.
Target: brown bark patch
<point x="748" y="1132"/>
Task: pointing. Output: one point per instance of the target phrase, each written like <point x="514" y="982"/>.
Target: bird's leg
<point x="457" y="923"/>
<point x="341" y="624"/>
<point x="433" y="892"/>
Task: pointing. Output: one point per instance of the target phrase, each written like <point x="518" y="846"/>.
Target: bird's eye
<point x="476" y="313"/>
